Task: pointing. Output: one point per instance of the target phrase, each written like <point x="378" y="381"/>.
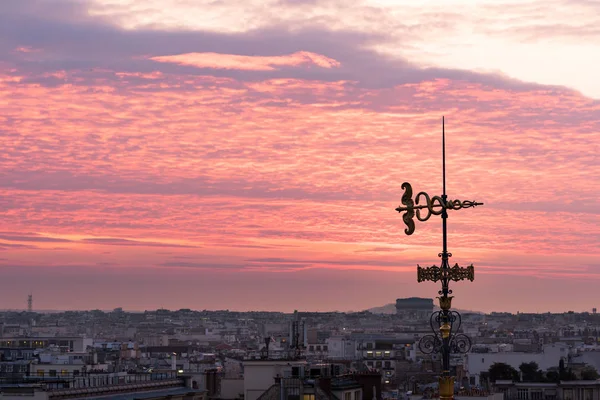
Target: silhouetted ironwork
<point x="445" y="324"/>
<point x="433" y="343"/>
<point x="296" y="345"/>
<point x="435" y="205"/>
<point x="265" y="350"/>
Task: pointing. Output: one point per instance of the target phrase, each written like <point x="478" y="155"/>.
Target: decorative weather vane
<point x="445" y="324"/>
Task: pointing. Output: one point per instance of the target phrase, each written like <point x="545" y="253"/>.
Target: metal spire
<point x="445" y="324"/>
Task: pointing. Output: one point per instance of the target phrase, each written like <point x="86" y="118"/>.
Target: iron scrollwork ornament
<point x="430" y="344"/>
<point x="434" y="205"/>
<point x="459" y="343"/>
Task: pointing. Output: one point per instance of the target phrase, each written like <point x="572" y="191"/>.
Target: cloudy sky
<point x="248" y="154"/>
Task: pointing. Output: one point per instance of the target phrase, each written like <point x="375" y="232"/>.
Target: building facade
<point x="414" y="307"/>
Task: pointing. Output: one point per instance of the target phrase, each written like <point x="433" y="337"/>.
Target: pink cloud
<point x="271" y="185"/>
<point x="27" y="49"/>
<point x="249" y="63"/>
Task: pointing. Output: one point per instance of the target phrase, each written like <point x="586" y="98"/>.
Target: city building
<point x="549" y="357"/>
<point x="414" y="307"/>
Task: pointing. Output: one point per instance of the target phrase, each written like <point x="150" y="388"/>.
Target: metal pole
<point x="446" y="383"/>
<point x="445" y="324"/>
<point x="444" y="197"/>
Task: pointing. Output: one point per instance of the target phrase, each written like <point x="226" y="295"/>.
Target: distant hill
<point x="387" y="309"/>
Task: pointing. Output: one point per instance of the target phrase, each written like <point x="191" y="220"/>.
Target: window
<point x="324" y="348"/>
<point x="370" y="363"/>
<point x="388" y="364"/>
<point x="311" y="348"/>
<point x="522" y="394"/>
<point x="369" y="346"/>
<point x="369" y="354"/>
<point x="537" y="395"/>
<point x="357" y="395"/>
<point x="550" y="395"/>
<point x="378" y="364"/>
<point x="588" y="394"/>
<point x="386" y="354"/>
<point x="378" y="354"/>
<point x="40" y="372"/>
<point x="348" y="396"/>
<point x="52" y="372"/>
<point x="64" y="372"/>
<point x="567" y="394"/>
<point x="309" y="397"/>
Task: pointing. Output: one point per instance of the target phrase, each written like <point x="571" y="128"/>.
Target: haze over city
<point x="248" y="155"/>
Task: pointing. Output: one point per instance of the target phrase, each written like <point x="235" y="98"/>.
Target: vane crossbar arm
<point x="450" y="204"/>
<point x="435" y="205"/>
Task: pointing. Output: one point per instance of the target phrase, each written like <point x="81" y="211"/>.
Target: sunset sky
<point x="248" y="154"/>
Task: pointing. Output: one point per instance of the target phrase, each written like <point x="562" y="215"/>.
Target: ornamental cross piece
<point x="436" y="273"/>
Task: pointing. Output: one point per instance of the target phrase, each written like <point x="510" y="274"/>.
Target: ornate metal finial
<point x="445" y="324"/>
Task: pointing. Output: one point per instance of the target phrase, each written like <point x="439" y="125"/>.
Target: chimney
<point x="371" y="385"/>
<point x="212" y="382"/>
<point x="267" y="342"/>
<point x="325" y="384"/>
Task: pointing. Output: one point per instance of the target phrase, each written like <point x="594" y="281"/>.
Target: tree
<point x="589" y="373"/>
<point x="531" y="373"/>
<point x="565" y="374"/>
<point x="502" y="371"/>
<point x="553" y="376"/>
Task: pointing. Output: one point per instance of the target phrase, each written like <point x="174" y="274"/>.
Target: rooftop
<point x="149" y="394"/>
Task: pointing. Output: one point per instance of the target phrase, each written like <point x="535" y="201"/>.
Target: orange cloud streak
<point x="249" y="63"/>
<point x="207" y="177"/>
